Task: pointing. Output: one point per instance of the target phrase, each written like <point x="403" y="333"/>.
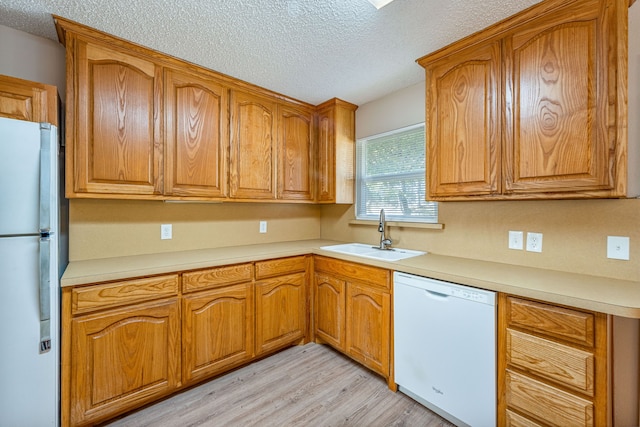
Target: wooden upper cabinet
<point x="145" y="125"/>
<point x="114" y="128"/>
<point x="336" y="152"/>
<point x="26" y="100"/>
<point x="253" y="149"/>
<point x="464" y="122"/>
<point x="295" y="153"/>
<point x="532" y="107"/>
<point x="557" y="133"/>
<point x="196" y="136"/>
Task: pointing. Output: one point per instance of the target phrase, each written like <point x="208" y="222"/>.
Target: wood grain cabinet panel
<point x="330" y="310"/>
<point x="553" y="365"/>
<point x="353" y="311"/>
<point x="296" y="178"/>
<point x="122" y="359"/>
<point x="557" y="136"/>
<point x="196" y="135"/>
<point x="552" y="406"/>
<point x="115" y="130"/>
<point x="336" y="152"/>
<point x="464" y="123"/>
<point x="281" y="312"/>
<point x="217" y="330"/>
<point x="25" y="100"/>
<point x="531" y="107"/>
<point x="369" y="326"/>
<point x="216" y="277"/>
<point x="253" y="147"/>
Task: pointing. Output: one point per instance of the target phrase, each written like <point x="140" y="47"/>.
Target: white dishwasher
<point x="445" y="348"/>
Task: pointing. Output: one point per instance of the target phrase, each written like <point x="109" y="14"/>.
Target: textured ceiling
<point x="311" y="50"/>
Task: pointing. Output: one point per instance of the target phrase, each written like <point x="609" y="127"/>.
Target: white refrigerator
<point x="33" y="255"/>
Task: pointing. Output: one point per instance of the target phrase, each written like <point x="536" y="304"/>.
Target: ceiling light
<point x="380" y="3"/>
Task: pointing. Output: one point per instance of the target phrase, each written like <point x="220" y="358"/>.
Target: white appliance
<point x="33" y="255"/>
<point x="445" y="348"/>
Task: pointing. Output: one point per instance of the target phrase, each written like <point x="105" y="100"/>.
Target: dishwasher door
<point x="445" y="348"/>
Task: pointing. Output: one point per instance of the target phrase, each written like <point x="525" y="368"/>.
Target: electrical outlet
<point x="618" y="247"/>
<point x="516" y="240"/>
<point x="534" y="242"/>
<point x="263" y="226"/>
<point x="166" y="232"/>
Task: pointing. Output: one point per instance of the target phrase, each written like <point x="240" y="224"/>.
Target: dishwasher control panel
<point x="470" y="295"/>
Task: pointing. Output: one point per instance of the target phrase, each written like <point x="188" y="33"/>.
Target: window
<point x="391" y="175"/>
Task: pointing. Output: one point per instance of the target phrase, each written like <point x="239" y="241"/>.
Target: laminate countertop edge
<point x="607" y="295"/>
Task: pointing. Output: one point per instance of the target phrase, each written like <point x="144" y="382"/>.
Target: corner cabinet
<point x="558" y="73"/>
<point x="144" y="125"/>
<point x="336" y="152"/>
<point x="353" y="311"/>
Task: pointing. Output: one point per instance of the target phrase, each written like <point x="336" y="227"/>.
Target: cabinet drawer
<point x="566" y="365"/>
<point x="541" y="401"/>
<point x="276" y="267"/>
<point x="216" y="277"/>
<point x="95" y="297"/>
<point x="350" y="270"/>
<point x="552" y="321"/>
<point x="515" y="420"/>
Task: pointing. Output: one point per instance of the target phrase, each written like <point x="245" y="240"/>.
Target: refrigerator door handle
<point x="45" y="242"/>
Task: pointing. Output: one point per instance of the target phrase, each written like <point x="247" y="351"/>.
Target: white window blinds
<point x="391" y="175"/>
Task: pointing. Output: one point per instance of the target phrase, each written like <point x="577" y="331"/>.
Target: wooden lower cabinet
<point x="281" y="303"/>
<point x="329" y="310"/>
<point x="353" y="311"/>
<point x="553" y="365"/>
<point x="123" y="358"/>
<point x="217" y="330"/>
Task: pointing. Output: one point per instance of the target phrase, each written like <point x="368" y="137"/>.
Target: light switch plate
<point x="166" y="231"/>
<point x="618" y="247"/>
<point x="516" y="240"/>
<point x="534" y="242"/>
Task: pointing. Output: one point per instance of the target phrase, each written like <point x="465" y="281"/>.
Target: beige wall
<point x="575" y="232"/>
<point x="103" y="228"/>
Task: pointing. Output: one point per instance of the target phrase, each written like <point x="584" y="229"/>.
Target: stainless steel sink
<point x="369" y="251"/>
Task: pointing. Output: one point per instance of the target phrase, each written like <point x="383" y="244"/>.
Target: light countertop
<point x="611" y="296"/>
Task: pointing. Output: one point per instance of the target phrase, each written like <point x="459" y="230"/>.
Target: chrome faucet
<point x="385" y="243"/>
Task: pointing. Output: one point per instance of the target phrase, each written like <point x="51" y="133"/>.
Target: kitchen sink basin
<point x="369" y="251"/>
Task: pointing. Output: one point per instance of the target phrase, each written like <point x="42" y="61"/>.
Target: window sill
<point x="399" y="224"/>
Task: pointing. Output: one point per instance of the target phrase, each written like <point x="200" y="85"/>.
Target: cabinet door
<point x="196" y="136"/>
<point x="559" y="103"/>
<point x="295" y="154"/>
<point x="462" y="107"/>
<point x="30" y="101"/>
<point x="253" y="153"/>
<point x="115" y="131"/>
<point x="281" y="312"/>
<point x="217" y="330"/>
<point x="123" y="358"/>
<point x="368" y="326"/>
<point x="330" y="310"/>
<point x="326" y="157"/>
<point x="336" y="152"/>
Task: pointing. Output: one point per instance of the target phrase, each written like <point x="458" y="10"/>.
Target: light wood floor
<point x="309" y="385"/>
